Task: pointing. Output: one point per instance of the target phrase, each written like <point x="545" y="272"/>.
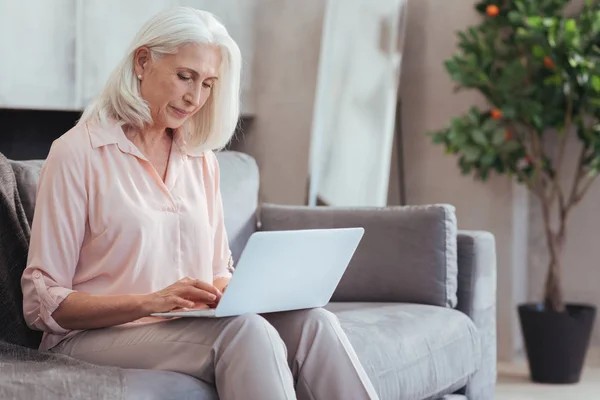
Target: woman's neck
<point x="149" y="136"/>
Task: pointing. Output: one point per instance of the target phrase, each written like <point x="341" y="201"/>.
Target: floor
<point x="514" y="383"/>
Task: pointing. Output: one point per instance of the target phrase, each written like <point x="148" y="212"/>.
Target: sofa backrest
<point x="239" y="189"/>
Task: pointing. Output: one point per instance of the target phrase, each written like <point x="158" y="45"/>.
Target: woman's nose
<point x="193" y="97"/>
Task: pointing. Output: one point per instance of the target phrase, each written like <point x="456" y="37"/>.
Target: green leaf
<point x="576" y="61"/>
<point x="554" y="80"/>
<point x="471" y="153"/>
<point x="471" y="61"/>
<point x="530" y="108"/>
<point x="515" y="17"/>
<point x="509" y="112"/>
<point x="538" y="51"/>
<point x="549" y="22"/>
<point x="552" y="34"/>
<point x="479" y="137"/>
<point x="465" y="167"/>
<point x="481" y="7"/>
<point x="474" y="116"/>
<point x="458" y="138"/>
<point x="596" y="83"/>
<point x="520" y="6"/>
<point x="534" y="22"/>
<point x="538" y="123"/>
<point x="484" y="174"/>
<point x="489" y="125"/>
<point x="572" y="35"/>
<point x="596" y="23"/>
<point x="571" y="27"/>
<point x="457" y="124"/>
<point x="514" y="72"/>
<point x="439" y="138"/>
<point x="473" y="33"/>
<point x="488" y="159"/>
<point x="451" y="67"/>
<point x="511" y="146"/>
<point x="499" y="137"/>
<point x="523" y="33"/>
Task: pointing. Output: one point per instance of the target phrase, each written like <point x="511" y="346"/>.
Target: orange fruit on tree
<point x="496" y="114"/>
<point x="492" y="10"/>
<point x="508" y="135"/>
<point x="548" y="62"/>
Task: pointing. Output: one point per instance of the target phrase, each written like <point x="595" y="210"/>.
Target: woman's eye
<point x="184" y="78"/>
<point x="207" y="85"/>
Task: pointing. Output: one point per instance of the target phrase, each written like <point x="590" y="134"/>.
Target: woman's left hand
<point x="220" y="284"/>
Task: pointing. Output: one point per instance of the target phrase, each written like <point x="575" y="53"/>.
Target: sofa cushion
<point x="239" y="189"/>
<point x="411" y="351"/>
<point x="407" y="255"/>
<point x="158" y="385"/>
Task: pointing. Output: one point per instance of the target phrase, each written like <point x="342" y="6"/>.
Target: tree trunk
<point x="553" y="296"/>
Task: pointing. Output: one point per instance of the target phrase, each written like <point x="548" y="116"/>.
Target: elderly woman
<point x="129" y="222"/>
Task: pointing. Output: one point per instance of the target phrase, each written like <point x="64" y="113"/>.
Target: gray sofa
<point x="417" y="301"/>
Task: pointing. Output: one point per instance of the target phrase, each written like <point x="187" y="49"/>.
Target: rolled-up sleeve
<point x="56" y="236"/>
<point x="222" y="261"/>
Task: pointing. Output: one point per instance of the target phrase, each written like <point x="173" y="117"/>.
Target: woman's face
<point x="177" y="85"/>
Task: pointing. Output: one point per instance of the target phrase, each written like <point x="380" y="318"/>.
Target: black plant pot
<point x="556" y="343"/>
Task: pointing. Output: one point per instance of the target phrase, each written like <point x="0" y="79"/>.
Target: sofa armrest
<point x="477" y="299"/>
<point x="408" y="254"/>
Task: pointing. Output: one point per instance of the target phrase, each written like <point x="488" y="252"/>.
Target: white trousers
<point x="289" y="355"/>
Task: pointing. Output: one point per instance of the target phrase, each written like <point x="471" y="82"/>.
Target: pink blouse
<point x="106" y="223"/>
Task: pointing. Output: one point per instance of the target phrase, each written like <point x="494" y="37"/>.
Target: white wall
<point x="66" y="51"/>
<point x="288" y="37"/>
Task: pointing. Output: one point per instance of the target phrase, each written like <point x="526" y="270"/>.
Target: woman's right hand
<point x="185" y="293"/>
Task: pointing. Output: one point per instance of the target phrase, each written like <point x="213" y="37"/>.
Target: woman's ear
<point x="140" y="60"/>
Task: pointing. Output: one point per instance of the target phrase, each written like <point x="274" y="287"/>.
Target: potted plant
<point x="539" y="69"/>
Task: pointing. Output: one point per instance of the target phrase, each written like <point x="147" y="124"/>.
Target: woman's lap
<point x="180" y="345"/>
<point x="184" y="345"/>
<point x="245" y="354"/>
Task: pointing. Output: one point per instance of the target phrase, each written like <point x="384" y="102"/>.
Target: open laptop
<point x="283" y="271"/>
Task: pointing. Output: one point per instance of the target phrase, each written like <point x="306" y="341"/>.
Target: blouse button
<point x="37" y="275"/>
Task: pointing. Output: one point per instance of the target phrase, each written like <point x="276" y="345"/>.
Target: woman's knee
<point x="250" y="322"/>
<point x="320" y="317"/>
<point x="255" y="330"/>
<point x="306" y="323"/>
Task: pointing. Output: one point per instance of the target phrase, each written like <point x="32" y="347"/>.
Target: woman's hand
<point x="185" y="293"/>
<point x="220" y="284"/>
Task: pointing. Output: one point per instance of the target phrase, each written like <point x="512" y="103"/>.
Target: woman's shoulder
<point x="72" y="144"/>
<point x="210" y="165"/>
<point x="210" y="157"/>
<point x="71" y="149"/>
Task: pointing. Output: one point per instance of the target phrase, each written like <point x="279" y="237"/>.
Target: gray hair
<point x="214" y="124"/>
